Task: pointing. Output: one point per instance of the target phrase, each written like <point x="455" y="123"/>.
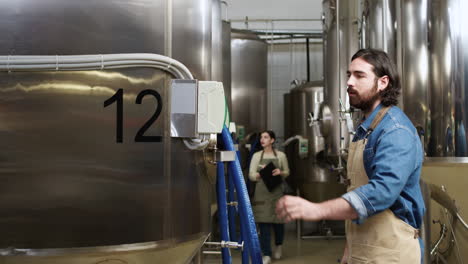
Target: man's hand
<point x="291" y="208"/>
<point x="276" y="172"/>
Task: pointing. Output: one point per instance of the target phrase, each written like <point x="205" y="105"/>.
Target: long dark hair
<point x="382" y="65"/>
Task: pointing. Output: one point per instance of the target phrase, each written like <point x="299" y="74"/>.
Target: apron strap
<point x="263" y="152"/>
<point x="380" y="115"/>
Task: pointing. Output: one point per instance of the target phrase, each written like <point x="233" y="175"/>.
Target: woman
<point x="263" y="202"/>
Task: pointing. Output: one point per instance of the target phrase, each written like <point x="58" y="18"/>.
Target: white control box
<point x="211" y="107"/>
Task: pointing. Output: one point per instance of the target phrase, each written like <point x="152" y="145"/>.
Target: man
<point x="383" y="206"/>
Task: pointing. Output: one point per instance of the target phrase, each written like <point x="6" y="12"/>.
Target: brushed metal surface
<point x="168" y="251"/>
<point x="341" y="41"/>
<point x="226" y="53"/>
<point x="191" y="32"/>
<point x="415" y="75"/>
<point x="448" y="79"/>
<point x="221" y="50"/>
<point x="249" y="80"/>
<point x="380" y="25"/>
<point x="57" y="27"/>
<point x="380" y="22"/>
<point x="52" y="27"/>
<point x="184" y="97"/>
<point x="216" y="42"/>
<point x="66" y="182"/>
<point x="311" y="175"/>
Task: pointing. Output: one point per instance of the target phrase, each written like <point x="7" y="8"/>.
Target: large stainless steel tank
<point x="249" y="80"/>
<point x="69" y="192"/>
<point x="408" y="48"/>
<point x="449" y="75"/>
<point x="414" y="65"/>
<point x="311" y="174"/>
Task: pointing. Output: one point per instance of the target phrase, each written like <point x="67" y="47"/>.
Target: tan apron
<point x="383" y="238"/>
<point x="264" y="201"/>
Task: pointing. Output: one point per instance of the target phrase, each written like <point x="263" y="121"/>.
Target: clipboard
<point x="271" y="182"/>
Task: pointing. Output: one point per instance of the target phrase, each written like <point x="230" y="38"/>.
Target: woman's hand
<point x="258" y="176"/>
<point x="276" y="172"/>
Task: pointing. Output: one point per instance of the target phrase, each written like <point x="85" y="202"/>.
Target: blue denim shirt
<point x="392" y="159"/>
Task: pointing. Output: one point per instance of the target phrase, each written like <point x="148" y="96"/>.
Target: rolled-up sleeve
<point x="355" y="201"/>
<point x="393" y="163"/>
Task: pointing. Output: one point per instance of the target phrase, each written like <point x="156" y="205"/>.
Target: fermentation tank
<point x="70" y="192"/>
<point x="408" y="49"/>
<point x="311" y="173"/>
<point x="249" y="80"/>
<point x="449" y="78"/>
<point x="430" y="51"/>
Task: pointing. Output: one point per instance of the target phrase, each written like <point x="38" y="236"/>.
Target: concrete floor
<point x="304" y="251"/>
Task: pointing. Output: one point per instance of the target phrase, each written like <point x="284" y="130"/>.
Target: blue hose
<point x="232" y="210"/>
<point x="244" y="235"/>
<point x="222" y="210"/>
<point x="245" y="209"/>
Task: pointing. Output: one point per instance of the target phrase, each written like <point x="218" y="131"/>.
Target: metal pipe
<point x="270" y="86"/>
<point x="310" y="33"/>
<point x="274" y="19"/>
<point x="222" y="211"/>
<point x="462" y="221"/>
<point x="211" y="252"/>
<point x="94" y="62"/>
<point x="308" y="59"/>
<point x="338" y="58"/>
<point x="284" y="37"/>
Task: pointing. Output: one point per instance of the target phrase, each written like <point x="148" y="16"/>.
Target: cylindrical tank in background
<point x="414" y="64"/>
<point x="66" y="182"/>
<point x="449" y="88"/>
<point x="378" y="28"/>
<point x="311" y="173"/>
<point x="249" y="80"/>
<point x="340" y="43"/>
<point x="380" y="21"/>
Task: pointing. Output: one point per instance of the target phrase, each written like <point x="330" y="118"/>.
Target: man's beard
<point x="365" y="101"/>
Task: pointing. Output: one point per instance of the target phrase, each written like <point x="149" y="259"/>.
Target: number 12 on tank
<point x="139" y="137"/>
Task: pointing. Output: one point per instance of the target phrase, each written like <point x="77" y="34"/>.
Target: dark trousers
<point x="265" y="236"/>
